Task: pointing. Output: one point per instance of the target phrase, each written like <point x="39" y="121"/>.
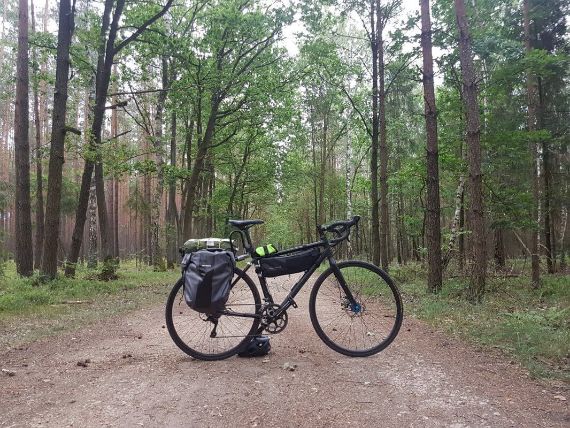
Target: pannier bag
<point x="286" y="264"/>
<point x="207" y="279"/>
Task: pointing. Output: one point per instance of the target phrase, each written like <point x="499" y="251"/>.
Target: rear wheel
<point x="366" y="327"/>
<point x="214" y="338"/>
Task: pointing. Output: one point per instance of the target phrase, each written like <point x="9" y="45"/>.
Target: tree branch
<point x="143" y="27"/>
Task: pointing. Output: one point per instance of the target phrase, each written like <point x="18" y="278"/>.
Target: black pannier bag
<point x="299" y="261"/>
<point x="207" y="279"/>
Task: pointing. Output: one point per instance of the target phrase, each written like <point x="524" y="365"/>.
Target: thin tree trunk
<point x="499" y="248"/>
<point x="375" y="215"/>
<point x="314" y="171"/>
<point x="433" y="229"/>
<point x="475" y="214"/>
<point x="158" y="148"/>
<point x="116" y="219"/>
<point x="348" y="175"/>
<point x="532" y="94"/>
<point x="455" y="228"/>
<point x="92" y="253"/>
<point x="171" y="213"/>
<point x="38" y="157"/>
<point x="548" y="238"/>
<point x="24" y="253"/>
<point x="323" y="167"/>
<point x="111" y="182"/>
<point x="461" y="243"/>
<point x="104" y="231"/>
<point x="383" y="146"/>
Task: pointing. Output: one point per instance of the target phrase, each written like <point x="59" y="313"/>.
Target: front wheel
<point x="362" y="328"/>
<point x="215" y="338"/>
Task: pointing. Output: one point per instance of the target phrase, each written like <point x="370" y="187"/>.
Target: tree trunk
<point x="548" y="235"/>
<point x="111" y="182"/>
<point x="461" y="243"/>
<point x="116" y="219"/>
<point x="383" y="146"/>
<point x="56" y="158"/>
<point x="38" y="156"/>
<point x="171" y="212"/>
<point x="499" y="248"/>
<point x="375" y="217"/>
<point x="104" y="230"/>
<point x="433" y="229"/>
<point x="92" y="253"/>
<point x="475" y="214"/>
<point x="314" y="171"/>
<point x="532" y="95"/>
<point x="24" y="253"/>
<point x="455" y="227"/>
<point x="158" y="149"/>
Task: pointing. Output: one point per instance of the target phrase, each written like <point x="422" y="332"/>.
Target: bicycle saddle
<point x="244" y="224"/>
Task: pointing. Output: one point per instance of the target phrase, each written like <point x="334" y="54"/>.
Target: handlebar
<point x="341" y="229"/>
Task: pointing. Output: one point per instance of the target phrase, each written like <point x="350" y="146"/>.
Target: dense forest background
<point x="127" y="127"/>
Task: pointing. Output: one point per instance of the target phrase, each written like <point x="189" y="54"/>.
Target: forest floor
<point x="124" y="370"/>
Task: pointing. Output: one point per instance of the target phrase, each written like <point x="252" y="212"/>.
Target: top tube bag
<point x="286" y="264"/>
<point x="207" y="279"/>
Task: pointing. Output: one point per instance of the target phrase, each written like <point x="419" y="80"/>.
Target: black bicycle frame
<point x="289" y="300"/>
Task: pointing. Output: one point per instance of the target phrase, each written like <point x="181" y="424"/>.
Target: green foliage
<point x="531" y="325"/>
<point x="28" y="295"/>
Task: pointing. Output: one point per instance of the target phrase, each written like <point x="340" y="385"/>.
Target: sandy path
<point x="137" y="377"/>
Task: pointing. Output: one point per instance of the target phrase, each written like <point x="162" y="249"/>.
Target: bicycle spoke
<point x="364" y="325"/>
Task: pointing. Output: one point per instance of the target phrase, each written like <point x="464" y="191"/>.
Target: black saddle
<point x="244" y="224"/>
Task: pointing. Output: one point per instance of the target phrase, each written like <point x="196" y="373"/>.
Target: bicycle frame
<point x="289" y="299"/>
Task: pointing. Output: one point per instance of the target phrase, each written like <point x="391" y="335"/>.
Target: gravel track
<point x="135" y="376"/>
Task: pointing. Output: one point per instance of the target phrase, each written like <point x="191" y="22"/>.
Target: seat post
<point x="243" y="227"/>
<point x="249" y="244"/>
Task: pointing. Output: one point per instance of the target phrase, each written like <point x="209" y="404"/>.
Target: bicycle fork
<point x="354" y="305"/>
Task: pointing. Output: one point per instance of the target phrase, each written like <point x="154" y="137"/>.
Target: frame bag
<point x="286" y="264"/>
<point x="207" y="279"/>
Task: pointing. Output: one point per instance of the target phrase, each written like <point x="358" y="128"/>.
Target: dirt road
<point x="135" y="376"/>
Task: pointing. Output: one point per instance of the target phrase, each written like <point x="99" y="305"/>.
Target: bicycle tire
<point x="375" y="293"/>
<point x="180" y="318"/>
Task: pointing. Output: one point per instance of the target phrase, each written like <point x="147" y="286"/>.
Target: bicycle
<point x="356" y="292"/>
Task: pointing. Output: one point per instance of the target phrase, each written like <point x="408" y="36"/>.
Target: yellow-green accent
<point x="265" y="250"/>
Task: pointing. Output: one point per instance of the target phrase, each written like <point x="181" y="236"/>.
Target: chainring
<point x="274" y="325"/>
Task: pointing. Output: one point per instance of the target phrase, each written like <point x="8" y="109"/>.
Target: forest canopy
<point x="127" y="127"/>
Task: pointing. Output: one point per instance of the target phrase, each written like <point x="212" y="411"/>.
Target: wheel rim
<point x="194" y="330"/>
<point x="363" y="327"/>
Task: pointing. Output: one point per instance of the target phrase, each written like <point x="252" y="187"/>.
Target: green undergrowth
<point x="30" y="308"/>
<point x="532" y="326"/>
